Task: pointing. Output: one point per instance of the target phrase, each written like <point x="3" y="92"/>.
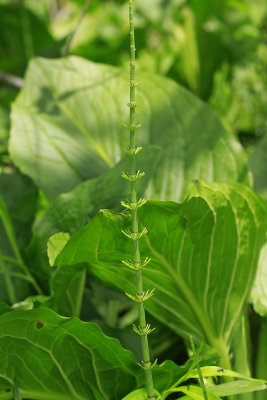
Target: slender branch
<point x="9" y="285"/>
<point x="70" y="38"/>
<point x="17" y="275"/>
<point x="4" y="216"/>
<point x="10" y="259"/>
<point x="11" y="80"/>
<point x="201" y="380"/>
<point x="141" y="296"/>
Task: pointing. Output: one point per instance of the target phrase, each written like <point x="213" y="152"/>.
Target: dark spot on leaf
<point x="7" y="390"/>
<point x="39" y="325"/>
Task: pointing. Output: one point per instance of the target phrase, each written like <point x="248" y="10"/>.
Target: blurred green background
<point x="216" y="48"/>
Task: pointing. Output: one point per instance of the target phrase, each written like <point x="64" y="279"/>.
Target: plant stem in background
<point x="143" y="329"/>
<point x="70" y="38"/>
<point x="201" y="380"/>
<point x="11" y="80"/>
<point x="4" y="216"/>
<point x="8" y="281"/>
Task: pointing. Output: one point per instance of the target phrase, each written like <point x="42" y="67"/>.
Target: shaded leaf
<point x="70" y="211"/>
<point x="58" y="358"/>
<point x="4" y="307"/>
<point x="71" y="113"/>
<point x="23" y="35"/>
<point x="53" y="357"/>
<point x="67" y="286"/>
<point x="214" y="236"/>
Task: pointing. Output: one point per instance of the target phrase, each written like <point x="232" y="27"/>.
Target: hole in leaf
<point x="7" y="390"/>
<point x="39" y="325"/>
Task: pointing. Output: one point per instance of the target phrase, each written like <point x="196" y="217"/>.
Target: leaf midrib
<point x="202" y="318"/>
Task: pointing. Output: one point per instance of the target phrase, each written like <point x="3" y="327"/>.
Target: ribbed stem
<point x="137" y="259"/>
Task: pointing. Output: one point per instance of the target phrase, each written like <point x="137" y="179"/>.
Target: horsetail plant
<point x="143" y="329"/>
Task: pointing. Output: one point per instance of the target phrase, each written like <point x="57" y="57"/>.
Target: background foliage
<point x="62" y="147"/>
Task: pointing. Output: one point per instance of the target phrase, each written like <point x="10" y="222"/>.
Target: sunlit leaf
<point x="58" y="358"/>
<point x="52" y="357"/>
<point x="70" y="211"/>
<point x="67" y="126"/>
<point x="214" y="237"/>
<point x="55" y="244"/>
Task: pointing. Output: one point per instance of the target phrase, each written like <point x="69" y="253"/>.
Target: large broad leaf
<point x="57" y="358"/>
<point x="52" y="357"/>
<point x="204" y="257"/>
<point x="67" y="126"/>
<point x="70" y="211"/>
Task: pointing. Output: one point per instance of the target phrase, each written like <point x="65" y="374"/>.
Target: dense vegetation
<point x="65" y="321"/>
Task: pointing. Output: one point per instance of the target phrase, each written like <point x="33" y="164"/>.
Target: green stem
<point x="112" y="312"/>
<point x="137" y="259"/>
<point x="10" y="288"/>
<point x="201" y="380"/>
<point x="12" y="239"/>
<point x="70" y="38"/>
<point x="217" y="342"/>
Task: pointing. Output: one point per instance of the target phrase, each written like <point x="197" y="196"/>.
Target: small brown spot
<point x="7" y="390"/>
<point x="39" y="325"/>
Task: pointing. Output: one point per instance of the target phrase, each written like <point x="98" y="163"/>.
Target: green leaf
<point x="201" y="53"/>
<point x="139" y="394"/>
<point x="20" y="196"/>
<point x="258" y="293"/>
<point x="67" y="287"/>
<point x="204" y="257"/>
<point x="4" y="307"/>
<point x="70" y="113"/>
<point x="244" y="384"/>
<point x="236" y="387"/>
<point x="58" y="358"/>
<point x="23" y="35"/>
<point x="55" y="244"/>
<point x="224" y="389"/>
<point x="194" y="392"/>
<point x="218" y="371"/>
<point x="70" y="211"/>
